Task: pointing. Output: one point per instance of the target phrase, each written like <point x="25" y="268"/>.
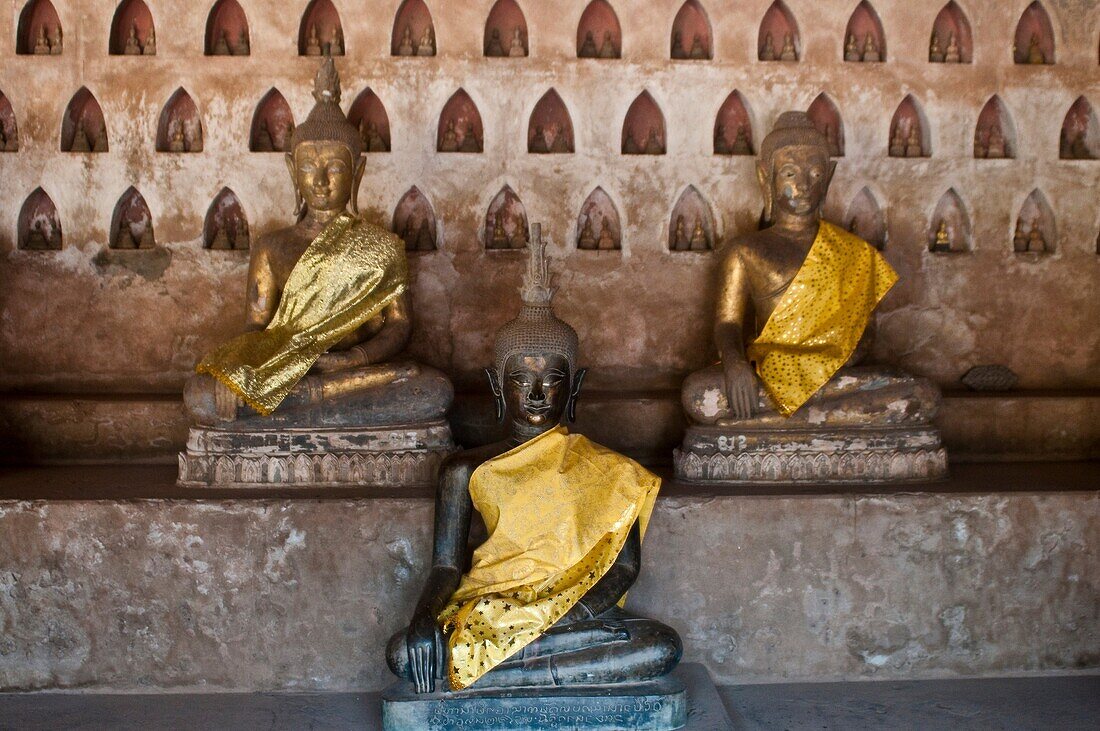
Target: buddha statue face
<point x="799" y="180"/>
<point x="326" y="176"/>
<point x="537" y="391"/>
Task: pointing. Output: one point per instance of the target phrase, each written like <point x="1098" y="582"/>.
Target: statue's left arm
<point x="379" y="348"/>
<point x="614" y="584"/>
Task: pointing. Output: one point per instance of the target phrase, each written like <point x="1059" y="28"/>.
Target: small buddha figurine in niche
<point x="942" y="241"/>
<point x="313" y="42"/>
<point x="767" y="53"/>
<point x="1020" y="237"/>
<point x="372" y="139"/>
<point x="870" y="50"/>
<point x="559" y="141"/>
<point x="1036" y="242"/>
<point x="133" y="46"/>
<point x="42" y="43"/>
<point x="406" y="48"/>
<point x="1035" y="54"/>
<point x="721" y="143"/>
<point x="125" y="237"/>
<point x="220" y="242"/>
<point x="741" y="145"/>
<point x="995" y="146"/>
<point x="699" y="239"/>
<point x="587" y="238"/>
<point x="3" y="139"/>
<point x="607" y="48"/>
<point x="654" y="145"/>
<point x="496" y="46"/>
<point x="788" y="53"/>
<point x="913" y="146"/>
<point x="935" y="51"/>
<point x="538" y="141"/>
<point x="36" y="238"/>
<point x="607" y="240"/>
<point x="449" y="143"/>
<point x="698" y="48"/>
<point x="240" y="234"/>
<point x="499" y="238"/>
<point x="630" y="145"/>
<point x="953" y="54"/>
<point x="56" y="43"/>
<point x="337" y="48"/>
<point x="679" y="237"/>
<point x="328" y="312"/>
<point x="851" y="49"/>
<point x="150" y="47"/>
<point x="427" y="43"/>
<point x="80" y="138"/>
<point x="242" y="47"/>
<point x="518" y="48"/>
<point x="470" y="141"/>
<point x="176" y="142"/>
<point x="534" y="609"/>
<point x="588" y="47"/>
<point x="263" y="141"/>
<point x="897" y="140"/>
<point x="221" y="46"/>
<point x="678" y="51"/>
<point x="794" y="316"/>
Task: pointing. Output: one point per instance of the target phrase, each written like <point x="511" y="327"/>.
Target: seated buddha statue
<point x="328" y="311"/>
<point x="794" y="319"/>
<point x="560" y="522"/>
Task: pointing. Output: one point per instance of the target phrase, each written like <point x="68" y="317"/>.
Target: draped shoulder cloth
<point x="821" y="317"/>
<point x="346" y="276"/>
<point x="558" y="510"/>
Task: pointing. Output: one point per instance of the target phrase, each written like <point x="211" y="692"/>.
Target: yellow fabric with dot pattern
<point x="821" y="317"/>
<point x="558" y="510"/>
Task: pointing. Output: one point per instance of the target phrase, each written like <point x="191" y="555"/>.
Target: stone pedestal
<point x="379" y="456"/>
<point x="731" y="456"/>
<point x="659" y="705"/>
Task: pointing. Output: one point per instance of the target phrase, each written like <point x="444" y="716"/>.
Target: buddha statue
<point x="587" y="238"/>
<point x="496" y="46"/>
<point x="607" y="48"/>
<point x="538" y="145"/>
<point x="242" y="47"/>
<point x="741" y="144"/>
<point x="767" y="52"/>
<point x="240" y="233"/>
<point x="678" y="51"/>
<point x="699" y="50"/>
<point x="654" y="144"/>
<point x="607" y="240"/>
<point x="942" y="242"/>
<point x="80" y="138"/>
<point x="788" y="53"/>
<point x="679" y="236"/>
<point x="406" y="47"/>
<point x="560" y="522"/>
<point x="870" y="50"/>
<point x="1020" y="237"/>
<point x="913" y="145"/>
<point x="313" y="43"/>
<point x="851" y="49"/>
<point x="935" y="51"/>
<point x="789" y="399"/>
<point x="176" y="142"/>
<point x="150" y="46"/>
<point x="221" y="46"/>
<point x="328" y="316"/>
<point x="427" y="43"/>
<point x="56" y="42"/>
<point x="133" y="46"/>
<point x="337" y="45"/>
<point x="559" y="140"/>
<point x="588" y="47"/>
<point x="953" y="54"/>
<point x="470" y="140"/>
<point x="630" y="145"/>
<point x="518" y="48"/>
<point x="1036" y="242"/>
<point x="996" y="147"/>
<point x="42" y="43"/>
<point x="897" y="140"/>
<point x="1035" y="55"/>
<point x="699" y="239"/>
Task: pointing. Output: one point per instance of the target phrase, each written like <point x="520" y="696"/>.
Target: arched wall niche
<point x="1035" y="231"/>
<point x="598" y="225"/>
<point x="826" y="118"/>
<point x="227" y="30"/>
<point x="39" y="31"/>
<point x="9" y="128"/>
<point x="180" y="127"/>
<point x="949" y="227"/>
<point x="644" y="128"/>
<point x="599" y="34"/>
<point x="460" y="128"/>
<point x="272" y="124"/>
<point x="995" y="132"/>
<point x="910" y="134"/>
<point x="413" y="30"/>
<point x="733" y="127"/>
<point x="951" y="40"/>
<point x="321" y="31"/>
<point x="225" y="227"/>
<point x="369" y="115"/>
<point x="866" y="219"/>
<point x="132" y="30"/>
<point x="692" y="38"/>
<point x="550" y="128"/>
<point x="864" y="38"/>
<point x="691" y="225"/>
<point x="778" y="39"/>
<point x="1080" y="136"/>
<point x="83" y="128"/>
<point x="506" y="222"/>
<point x="1033" y="43"/>
<point x="505" y="31"/>
<point x="415" y="222"/>
<point x="39" y="226"/>
<point x="132" y="222"/>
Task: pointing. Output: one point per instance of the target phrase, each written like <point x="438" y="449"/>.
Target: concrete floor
<point x="1048" y="703"/>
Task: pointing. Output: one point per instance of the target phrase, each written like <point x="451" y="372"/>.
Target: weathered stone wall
<point x="82" y="320"/>
<point x="262" y="595"/>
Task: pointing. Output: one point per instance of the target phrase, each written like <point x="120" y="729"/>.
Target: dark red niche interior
<point x="644" y="128"/>
<point x="321" y="30"/>
<point x="951" y="218"/>
<point x="506" y="222"/>
<point x="412" y="29"/>
<point x="83" y="128"/>
<point x="994" y="134"/>
<point x="1034" y="40"/>
<point x="550" y="129"/>
<point x="9" y="129"/>
<point x="951" y="25"/>
<point x="1080" y="137"/>
<point x="909" y="133"/>
<point x="778" y="26"/>
<point x="132" y="24"/>
<point x="227" y="30"/>
<point x="368" y="114"/>
<point x="691" y="33"/>
<point x="272" y="124"/>
<point x="180" y="127"/>
<point x="414" y="221"/>
<point x="866" y="220"/>
<point x="691" y="225"/>
<point x="1035" y="230"/>
<point x="39" y="31"/>
<point x="132" y="223"/>
<point x="598" y="227"/>
<point x="866" y="28"/>
<point x="225" y="226"/>
<point x="39" y="226"/>
<point x="733" y="127"/>
<point x="598" y="32"/>
<point x="826" y="118"/>
<point x="460" y="128"/>
<point x="506" y="31"/>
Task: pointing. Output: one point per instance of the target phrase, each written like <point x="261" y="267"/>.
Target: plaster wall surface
<point x="88" y="319"/>
<point x="302" y="594"/>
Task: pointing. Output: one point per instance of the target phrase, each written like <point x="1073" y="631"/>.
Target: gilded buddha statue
<point x="560" y="521"/>
<point x="791" y="398"/>
<point x="328" y="317"/>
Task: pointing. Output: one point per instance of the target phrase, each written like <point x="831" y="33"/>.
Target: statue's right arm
<point x="263" y="298"/>
<point x="734" y="300"/>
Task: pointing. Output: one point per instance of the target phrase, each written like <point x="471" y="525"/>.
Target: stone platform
<point x="387" y="456"/>
<point x="726" y="456"/>
<point x="659" y="705"/>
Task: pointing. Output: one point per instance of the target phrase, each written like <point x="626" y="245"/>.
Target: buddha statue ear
<point x="574" y="393"/>
<point x="830" y="168"/>
<point x="763" y="176"/>
<point x="360" y="168"/>
<point x="498" y="393"/>
<point x="299" y="201"/>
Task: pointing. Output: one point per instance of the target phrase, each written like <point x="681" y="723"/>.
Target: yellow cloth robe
<point x="558" y="510"/>
<point x="346" y="276"/>
<point x="821" y="317"/>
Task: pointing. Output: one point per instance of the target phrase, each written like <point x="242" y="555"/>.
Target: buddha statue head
<point x="534" y="377"/>
<point x="794" y="168"/>
<point x="325" y="157"/>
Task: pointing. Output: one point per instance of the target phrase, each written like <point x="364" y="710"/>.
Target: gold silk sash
<point x="346" y="276"/>
<point x="558" y="510"/>
<point x="821" y="317"/>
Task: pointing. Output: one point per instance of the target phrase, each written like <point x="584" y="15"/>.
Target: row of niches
<point x="550" y="127"/>
<point x="599" y="34"/>
<point x="599" y="226"/>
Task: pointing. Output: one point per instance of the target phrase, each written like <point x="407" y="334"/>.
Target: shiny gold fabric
<point x="346" y="276"/>
<point x="821" y="317"/>
<point x="558" y="510"/>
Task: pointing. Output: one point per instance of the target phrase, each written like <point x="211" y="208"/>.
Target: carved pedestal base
<point x="392" y="456"/>
<point x="723" y="456"/>
<point x="659" y="705"/>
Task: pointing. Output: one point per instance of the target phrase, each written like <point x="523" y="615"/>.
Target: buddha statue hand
<point x="740" y="387"/>
<point x="226" y="402"/>
<point x="427" y="651"/>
